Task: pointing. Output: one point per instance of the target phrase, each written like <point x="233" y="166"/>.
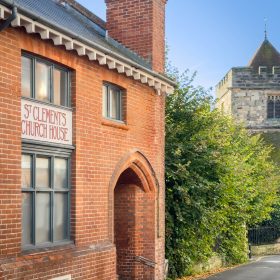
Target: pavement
<point x="265" y="268"/>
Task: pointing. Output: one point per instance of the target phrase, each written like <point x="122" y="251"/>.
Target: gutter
<point x="90" y="43"/>
<point x="8" y="21"/>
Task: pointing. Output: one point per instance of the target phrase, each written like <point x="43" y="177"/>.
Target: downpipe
<point x="8" y="21"/>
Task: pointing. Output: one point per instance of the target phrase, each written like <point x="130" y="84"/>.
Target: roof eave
<point x="63" y="36"/>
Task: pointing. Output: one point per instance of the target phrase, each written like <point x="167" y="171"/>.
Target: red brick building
<point x="82" y="140"/>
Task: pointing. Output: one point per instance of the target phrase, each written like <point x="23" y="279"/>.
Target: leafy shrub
<point x="219" y="180"/>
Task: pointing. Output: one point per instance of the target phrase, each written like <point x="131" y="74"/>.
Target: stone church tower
<point x="251" y="94"/>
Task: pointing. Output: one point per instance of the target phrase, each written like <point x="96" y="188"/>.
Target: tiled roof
<point x="63" y="15"/>
<point x="84" y="11"/>
<point x="266" y="55"/>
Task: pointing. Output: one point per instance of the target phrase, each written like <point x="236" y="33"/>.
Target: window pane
<point x="42" y="81"/>
<point x="114" y="108"/>
<point x="120" y="105"/>
<point x="270" y="108"/>
<point x="26" y="162"/>
<point x="277" y="108"/>
<point x="26" y="64"/>
<point x="26" y="218"/>
<point x="60" y="87"/>
<point x="60" y="216"/>
<point x="42" y="173"/>
<point x="42" y="217"/>
<point x="105" y="102"/>
<point x="60" y="173"/>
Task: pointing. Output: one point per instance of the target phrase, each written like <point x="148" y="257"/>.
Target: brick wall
<point x="144" y="25"/>
<point x="10" y="145"/>
<point x="100" y="146"/>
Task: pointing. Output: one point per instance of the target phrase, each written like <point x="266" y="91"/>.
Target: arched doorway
<point x="134" y="224"/>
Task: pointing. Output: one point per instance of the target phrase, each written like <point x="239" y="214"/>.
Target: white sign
<point x="45" y="123"/>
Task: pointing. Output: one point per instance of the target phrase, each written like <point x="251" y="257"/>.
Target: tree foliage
<point x="219" y="180"/>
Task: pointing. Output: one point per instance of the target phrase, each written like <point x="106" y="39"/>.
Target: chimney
<point x="140" y="26"/>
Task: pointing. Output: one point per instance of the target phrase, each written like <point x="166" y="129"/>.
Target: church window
<point x="273" y="107"/>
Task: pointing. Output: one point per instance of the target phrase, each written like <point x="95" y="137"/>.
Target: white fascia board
<point x="91" y="53"/>
<point x="1" y="12"/>
<point x="69" y="45"/>
<point x="82" y="49"/>
<point x="56" y="37"/>
<point x="14" y="23"/>
<point x="120" y="68"/>
<point x="27" y="23"/>
<point x="169" y="90"/>
<point x="102" y="59"/>
<point x="163" y="88"/>
<point x="136" y="75"/>
<point x="44" y="33"/>
<point x="111" y="63"/>
<point x="151" y="82"/>
<point x="158" y="85"/>
<point x="4" y="12"/>
<point x="128" y="71"/>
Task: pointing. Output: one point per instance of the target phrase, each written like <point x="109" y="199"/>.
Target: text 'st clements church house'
<point x="82" y="140"/>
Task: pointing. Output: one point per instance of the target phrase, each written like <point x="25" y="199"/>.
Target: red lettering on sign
<point x="39" y="122"/>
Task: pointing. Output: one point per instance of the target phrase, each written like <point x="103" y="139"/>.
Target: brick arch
<point x="136" y="161"/>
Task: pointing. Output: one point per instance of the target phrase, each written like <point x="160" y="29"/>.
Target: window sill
<point x="115" y="124"/>
<point x="63" y="245"/>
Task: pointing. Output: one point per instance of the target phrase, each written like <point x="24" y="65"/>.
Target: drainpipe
<point x="8" y="21"/>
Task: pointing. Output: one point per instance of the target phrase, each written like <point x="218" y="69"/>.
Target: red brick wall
<point x="134" y="227"/>
<point x="144" y="25"/>
<point x="10" y="144"/>
<point x="100" y="145"/>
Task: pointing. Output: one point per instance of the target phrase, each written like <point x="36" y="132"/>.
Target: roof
<point x="68" y="15"/>
<point x="84" y="11"/>
<point x="76" y="28"/>
<point x="266" y="55"/>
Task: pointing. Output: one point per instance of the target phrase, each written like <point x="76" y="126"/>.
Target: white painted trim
<point x="58" y="38"/>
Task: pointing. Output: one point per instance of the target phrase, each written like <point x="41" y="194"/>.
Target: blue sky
<point x="211" y="36"/>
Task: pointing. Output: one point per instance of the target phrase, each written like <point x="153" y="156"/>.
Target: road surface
<point x="266" y="268"/>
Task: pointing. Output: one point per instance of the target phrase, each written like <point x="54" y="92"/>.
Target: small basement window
<point x="113" y="102"/>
